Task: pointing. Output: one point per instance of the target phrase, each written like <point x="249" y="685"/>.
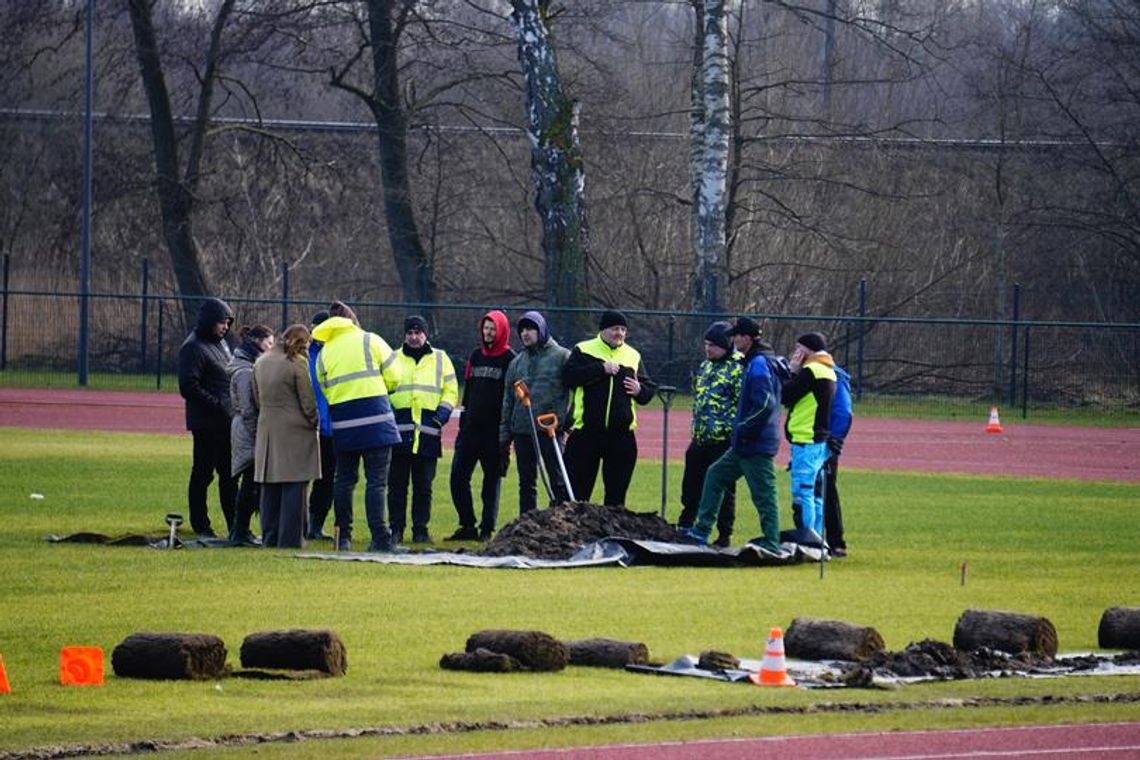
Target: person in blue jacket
<point x="321" y="494"/>
<point x="753" y="445"/>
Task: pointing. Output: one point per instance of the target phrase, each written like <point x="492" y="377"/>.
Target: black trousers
<point x="698" y="459"/>
<point x="420" y="472"/>
<point x="476" y="447"/>
<point x="832" y="510"/>
<point x="615" y="453"/>
<point x="248" y="501"/>
<point x="283" y="514"/>
<point x="321" y="495"/>
<point x="526" y="460"/>
<point x="211" y="455"/>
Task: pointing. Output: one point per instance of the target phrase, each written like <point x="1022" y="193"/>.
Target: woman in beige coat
<point x="287" y="454"/>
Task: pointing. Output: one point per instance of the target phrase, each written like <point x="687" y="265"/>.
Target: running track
<point x="880" y="444"/>
<point x="1107" y="741"/>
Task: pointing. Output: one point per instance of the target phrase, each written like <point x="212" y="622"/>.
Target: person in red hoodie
<point x="478" y="439"/>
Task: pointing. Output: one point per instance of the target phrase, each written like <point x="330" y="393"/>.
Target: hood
<point x="212" y="311"/>
<point x="333" y="327"/>
<point x="543" y="330"/>
<point x="502" y="334"/>
<point x="821" y="357"/>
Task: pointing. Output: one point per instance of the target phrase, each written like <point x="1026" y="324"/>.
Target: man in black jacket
<point x="203" y="382"/>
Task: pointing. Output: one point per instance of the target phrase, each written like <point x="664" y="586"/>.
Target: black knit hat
<point x="612" y="318"/>
<point x="415" y="322"/>
<point x="717" y="334"/>
<point x="319" y="317"/>
<point x="813" y="340"/>
<point x="745" y="326"/>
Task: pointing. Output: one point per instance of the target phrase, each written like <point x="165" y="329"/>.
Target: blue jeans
<point x="807" y="460"/>
<point x="376" y="462"/>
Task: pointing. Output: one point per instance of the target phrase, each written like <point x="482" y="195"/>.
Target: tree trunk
<point x="1005" y="631"/>
<point x="557" y="169"/>
<point x="712" y="167"/>
<point x="170" y="656"/>
<point x="1119" y="629"/>
<point x="809" y="639"/>
<point x="416" y="271"/>
<point x="175" y="194"/>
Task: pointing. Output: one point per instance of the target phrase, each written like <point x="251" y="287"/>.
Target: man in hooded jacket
<point x="539" y="364"/>
<point x="205" y="384"/>
<point x="478" y="439"/>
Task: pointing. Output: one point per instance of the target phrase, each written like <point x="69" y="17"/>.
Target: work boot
<point x="386" y="547"/>
<point x="767" y="545"/>
<point x="468" y="533"/>
<point x="723" y="541"/>
<point x="692" y="537"/>
<point x="420" y="536"/>
<point x="485" y="534"/>
<point x="344" y="544"/>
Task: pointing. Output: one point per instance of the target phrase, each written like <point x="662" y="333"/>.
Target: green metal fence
<point x="935" y="367"/>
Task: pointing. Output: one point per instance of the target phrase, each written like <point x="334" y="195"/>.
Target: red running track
<point x="1044" y="451"/>
<point x="1107" y="741"/>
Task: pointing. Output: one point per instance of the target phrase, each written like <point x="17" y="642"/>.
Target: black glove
<point x="835" y="446"/>
<point x="504" y="458"/>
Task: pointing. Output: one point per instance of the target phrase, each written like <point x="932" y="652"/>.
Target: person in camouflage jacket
<point x="716" y="394"/>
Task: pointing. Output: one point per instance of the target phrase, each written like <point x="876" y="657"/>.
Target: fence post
<point x="859" y="339"/>
<point x="1013" y="344"/>
<point x="158" y="351"/>
<point x="142" y="319"/>
<point x="4" y="316"/>
<point x="1025" y="377"/>
<point x="284" y="295"/>
<point x="669" y="348"/>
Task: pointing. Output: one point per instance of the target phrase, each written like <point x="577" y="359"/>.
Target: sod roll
<point x="480" y="661"/>
<point x="170" y="656"/>
<point x="607" y="653"/>
<point x="1119" y="628"/>
<point x="1006" y="632"/>
<point x="534" y="649"/>
<point x="815" y="639"/>
<point x="296" y="649"/>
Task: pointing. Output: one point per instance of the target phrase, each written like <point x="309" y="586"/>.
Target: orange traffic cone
<point x="81" y="666"/>
<point x="994" y="425"/>
<point x="5" y="688"/>
<point x="773" y="670"/>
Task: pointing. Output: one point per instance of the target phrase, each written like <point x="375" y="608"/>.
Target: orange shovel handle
<point x="522" y="392"/>
<point x="548" y="422"/>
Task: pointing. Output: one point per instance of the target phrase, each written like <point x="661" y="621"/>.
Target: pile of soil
<point x="940" y="660"/>
<point x="559" y="532"/>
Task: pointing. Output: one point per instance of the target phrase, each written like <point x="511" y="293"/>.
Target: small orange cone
<point x="5" y="688"/>
<point x="773" y="670"/>
<point x="994" y="425"/>
<point x="81" y="666"/>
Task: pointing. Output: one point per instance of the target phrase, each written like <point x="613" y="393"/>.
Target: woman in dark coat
<point x="287" y="455"/>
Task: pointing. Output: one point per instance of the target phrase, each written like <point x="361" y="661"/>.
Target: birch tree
<point x="557" y="169"/>
<point x="711" y="124"/>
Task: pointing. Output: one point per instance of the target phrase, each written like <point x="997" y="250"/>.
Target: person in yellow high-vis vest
<point x="424" y="391"/>
<point x="349" y="371"/>
<point x="808" y="396"/>
<point x="605" y="377"/>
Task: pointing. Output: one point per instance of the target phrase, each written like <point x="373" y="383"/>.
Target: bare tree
<point x="557" y="168"/>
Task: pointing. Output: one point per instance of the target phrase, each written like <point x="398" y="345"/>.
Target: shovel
<point x="173" y="520"/>
<point x="666" y="394"/>
<point x="523" y="392"/>
<point x="549" y="423"/>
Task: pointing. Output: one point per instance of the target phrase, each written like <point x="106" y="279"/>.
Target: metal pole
<point x="665" y="393"/>
<point x="142" y="320"/>
<point x="284" y="295"/>
<point x="1025" y="377"/>
<point x="4" y="316"/>
<point x="158" y="351"/>
<point x="859" y="339"/>
<point x="1013" y="344"/>
<point x="85" y="236"/>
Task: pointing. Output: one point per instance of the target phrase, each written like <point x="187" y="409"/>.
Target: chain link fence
<point x="899" y="366"/>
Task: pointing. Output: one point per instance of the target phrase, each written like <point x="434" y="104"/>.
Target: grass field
<point x="1065" y="550"/>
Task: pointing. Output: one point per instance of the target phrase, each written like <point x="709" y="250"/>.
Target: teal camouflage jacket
<point x="716" y="393"/>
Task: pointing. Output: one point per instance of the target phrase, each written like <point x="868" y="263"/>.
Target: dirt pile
<point x="558" y="532"/>
<point x="936" y="659"/>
